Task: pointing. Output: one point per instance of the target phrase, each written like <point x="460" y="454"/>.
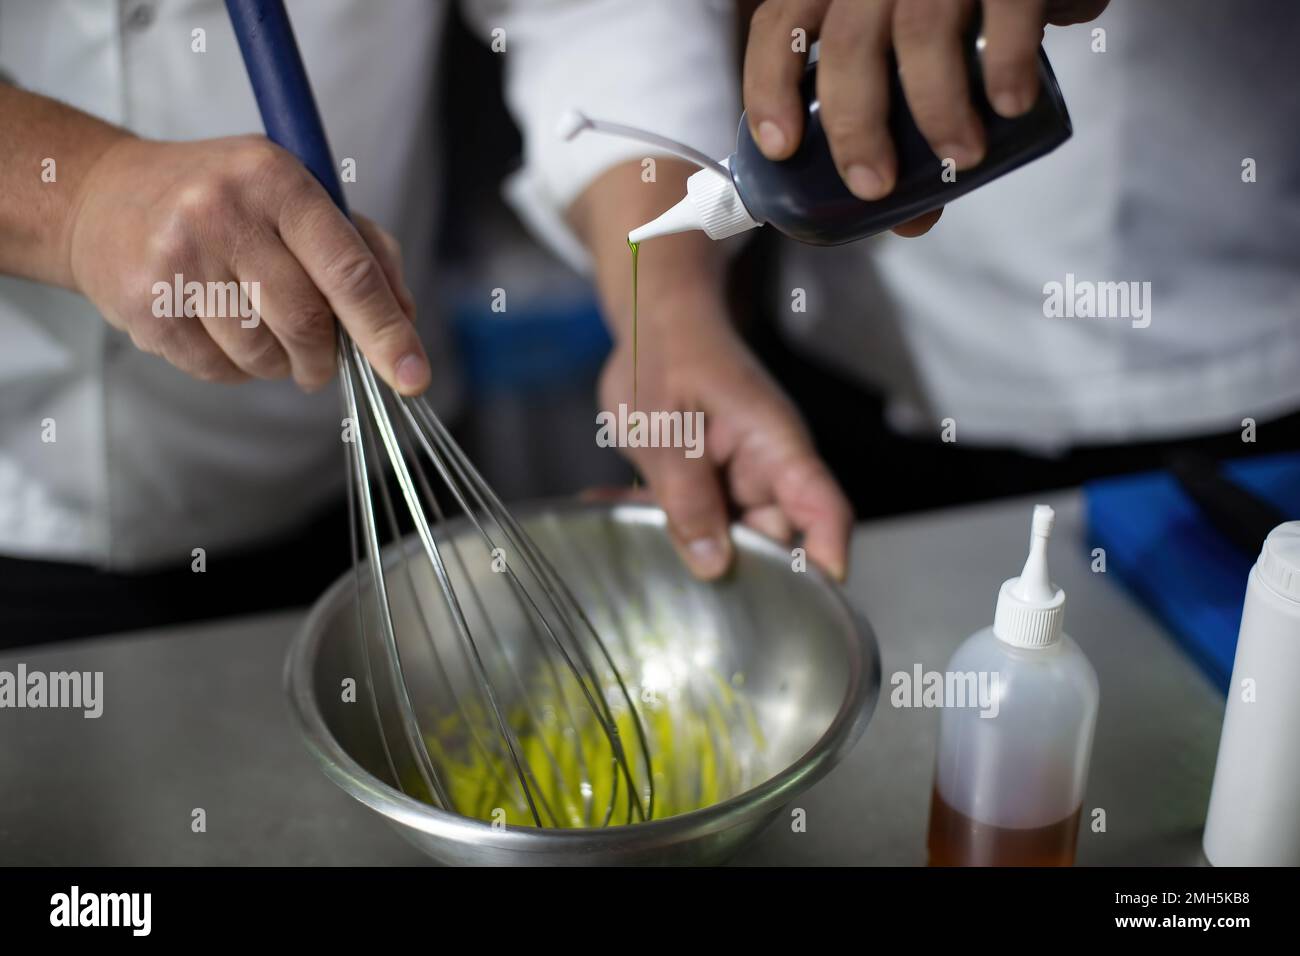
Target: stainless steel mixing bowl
<point x="810" y="665"/>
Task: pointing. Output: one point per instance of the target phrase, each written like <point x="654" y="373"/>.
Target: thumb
<point x="690" y="494"/>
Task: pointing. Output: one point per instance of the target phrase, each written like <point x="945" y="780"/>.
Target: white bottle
<point x="1011" y="772"/>
<point x="1254" y="815"/>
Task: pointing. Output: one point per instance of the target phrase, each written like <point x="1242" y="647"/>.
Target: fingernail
<point x="412" y="373"/>
<point x="1010" y="103"/>
<point x="961" y="154"/>
<point x="864" y="182"/>
<point x="707" y="557"/>
<point x="771" y="139"/>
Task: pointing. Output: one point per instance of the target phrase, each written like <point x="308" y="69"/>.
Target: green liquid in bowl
<point x="695" y="736"/>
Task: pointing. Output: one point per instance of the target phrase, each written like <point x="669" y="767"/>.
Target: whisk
<point x="553" y="727"/>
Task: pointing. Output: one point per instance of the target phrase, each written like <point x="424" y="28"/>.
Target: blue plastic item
<point x="1160" y="545"/>
<point x="281" y="88"/>
<point x="549" y="344"/>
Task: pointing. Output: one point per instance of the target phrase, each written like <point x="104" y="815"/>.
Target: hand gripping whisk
<point x="549" y="733"/>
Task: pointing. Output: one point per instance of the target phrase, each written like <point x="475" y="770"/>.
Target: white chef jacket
<point x="148" y="464"/>
<point x="1149" y="189"/>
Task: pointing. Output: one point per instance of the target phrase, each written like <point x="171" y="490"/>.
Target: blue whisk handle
<point x="281" y="87"/>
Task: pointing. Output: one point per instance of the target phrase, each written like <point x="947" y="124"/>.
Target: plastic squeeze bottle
<point x="1254" y="815"/>
<point x="804" y="197"/>
<point x="1010" y="776"/>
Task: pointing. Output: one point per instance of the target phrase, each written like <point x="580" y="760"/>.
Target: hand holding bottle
<point x="925" y="38"/>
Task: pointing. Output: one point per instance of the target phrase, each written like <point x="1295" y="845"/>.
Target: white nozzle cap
<point x="712" y="204"/>
<point x="1279" y="561"/>
<point x="1031" y="609"/>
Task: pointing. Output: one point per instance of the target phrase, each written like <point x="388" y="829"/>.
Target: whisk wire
<point x="587" y="679"/>
<point x="383" y="424"/>
<point x="547" y="608"/>
<point x="481" y="610"/>
<point x="362" y="629"/>
<point x="558" y="594"/>
<point x="467" y="721"/>
<point x="410" y="726"/>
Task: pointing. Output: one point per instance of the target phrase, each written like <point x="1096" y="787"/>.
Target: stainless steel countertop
<point x="194" y="717"/>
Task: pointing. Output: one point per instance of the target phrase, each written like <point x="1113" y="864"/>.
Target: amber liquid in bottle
<point x="957" y="840"/>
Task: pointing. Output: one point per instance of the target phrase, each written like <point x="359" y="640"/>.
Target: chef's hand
<point x="240" y="209"/>
<point x="926" y="38"/>
<point x="758" y="461"/>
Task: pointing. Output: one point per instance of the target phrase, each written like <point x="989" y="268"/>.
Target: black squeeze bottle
<point x="804" y="197"/>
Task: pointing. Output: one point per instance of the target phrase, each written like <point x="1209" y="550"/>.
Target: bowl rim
<point x="850" y="720"/>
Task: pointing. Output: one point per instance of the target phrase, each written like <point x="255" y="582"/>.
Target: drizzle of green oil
<point x="636" y="248"/>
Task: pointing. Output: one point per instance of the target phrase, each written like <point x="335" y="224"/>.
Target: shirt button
<point x="140" y="17"/>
